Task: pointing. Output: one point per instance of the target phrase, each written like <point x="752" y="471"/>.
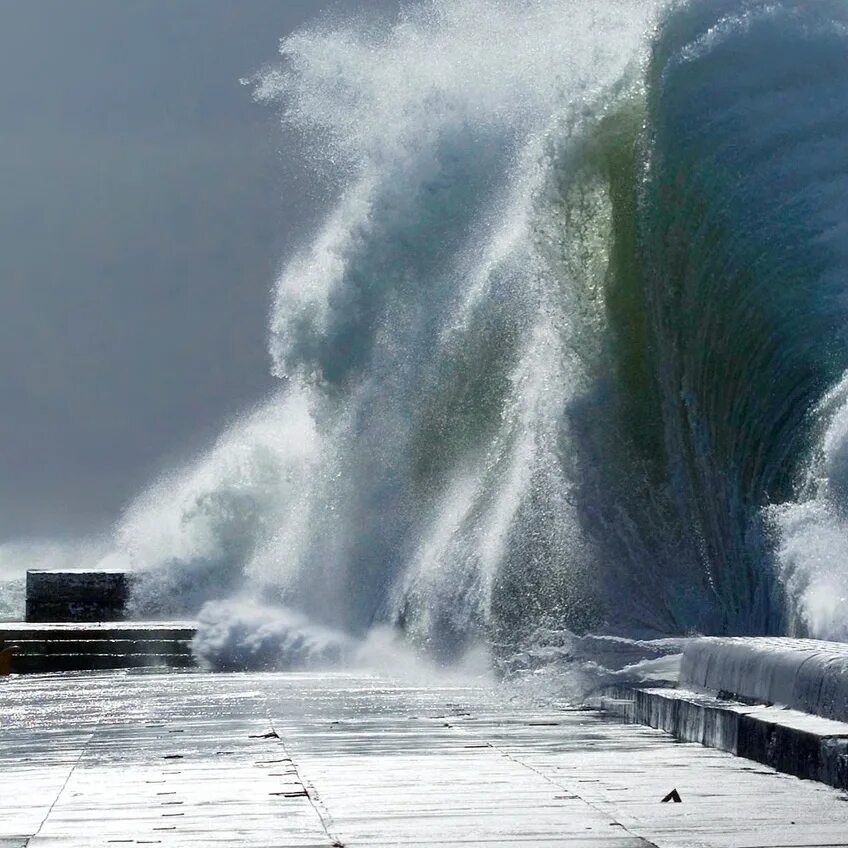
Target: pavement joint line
<point x="64" y="784"/>
<point x="598" y="808"/>
<point x="435" y="788"/>
<point x="309" y="790"/>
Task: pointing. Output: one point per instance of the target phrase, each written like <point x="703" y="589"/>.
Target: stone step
<point x="42" y="663"/>
<point x="104" y="646"/>
<point x="790" y="741"/>
<point x="12" y="631"/>
<point x="98" y="645"/>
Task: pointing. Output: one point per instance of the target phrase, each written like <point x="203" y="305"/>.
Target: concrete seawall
<point x="741" y="714"/>
<point x="805" y="674"/>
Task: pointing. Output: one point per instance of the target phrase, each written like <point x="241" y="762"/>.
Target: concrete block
<point x="65" y="595"/>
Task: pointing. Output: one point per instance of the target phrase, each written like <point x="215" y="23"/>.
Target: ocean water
<point x="567" y="353"/>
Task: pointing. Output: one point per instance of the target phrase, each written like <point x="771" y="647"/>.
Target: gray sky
<point x="145" y="204"/>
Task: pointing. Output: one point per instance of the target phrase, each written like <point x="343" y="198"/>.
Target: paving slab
<point x="308" y="760"/>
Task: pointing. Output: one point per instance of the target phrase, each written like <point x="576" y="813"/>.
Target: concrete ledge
<point x="28" y="630"/>
<point x="104" y="645"/>
<point x="804" y="674"/>
<point x="790" y="741"/>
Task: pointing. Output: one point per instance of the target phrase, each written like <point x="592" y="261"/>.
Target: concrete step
<point x="42" y="663"/>
<point x="790" y="741"/>
<point x="100" y="645"/>
<point x="11" y="631"/>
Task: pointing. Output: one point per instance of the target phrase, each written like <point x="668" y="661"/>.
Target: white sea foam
<point x="391" y="478"/>
<point x="811" y="533"/>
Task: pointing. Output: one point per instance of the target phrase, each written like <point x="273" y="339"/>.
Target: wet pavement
<point x="308" y="760"/>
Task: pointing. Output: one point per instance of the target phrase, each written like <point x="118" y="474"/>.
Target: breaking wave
<point x="566" y="352"/>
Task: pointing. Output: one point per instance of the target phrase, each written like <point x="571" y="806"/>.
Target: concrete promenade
<point x="182" y="758"/>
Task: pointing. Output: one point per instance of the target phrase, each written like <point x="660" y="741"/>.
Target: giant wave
<point x="567" y="351"/>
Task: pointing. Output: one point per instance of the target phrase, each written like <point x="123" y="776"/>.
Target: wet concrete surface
<point x="307" y="760"/>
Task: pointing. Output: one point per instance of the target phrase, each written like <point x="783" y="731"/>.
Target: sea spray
<point x="558" y="358"/>
<point x="239" y="635"/>
<point x="811" y="532"/>
<point x="436" y="330"/>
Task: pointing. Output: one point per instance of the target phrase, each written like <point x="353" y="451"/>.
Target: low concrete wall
<point x="804" y="674"/>
<point x="53" y="595"/>
<point x="789" y="741"/>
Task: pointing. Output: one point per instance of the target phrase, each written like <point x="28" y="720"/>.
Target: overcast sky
<point x="145" y="204"/>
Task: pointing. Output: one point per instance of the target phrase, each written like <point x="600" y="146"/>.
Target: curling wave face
<point x="743" y="225"/>
<point x="560" y="347"/>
